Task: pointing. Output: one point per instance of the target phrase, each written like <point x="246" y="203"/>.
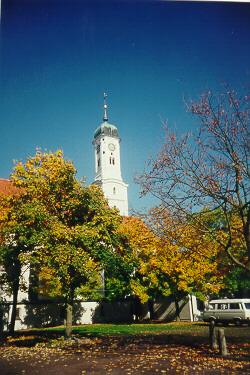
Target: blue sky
<point x="59" y="57"/>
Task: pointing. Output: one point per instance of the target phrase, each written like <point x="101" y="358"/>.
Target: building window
<point x="99" y="162"/>
<point x="112" y="160"/>
<point x="98" y="149"/>
<point x="114" y="190"/>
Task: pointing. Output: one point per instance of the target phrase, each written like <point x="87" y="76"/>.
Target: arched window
<point x="114" y="190"/>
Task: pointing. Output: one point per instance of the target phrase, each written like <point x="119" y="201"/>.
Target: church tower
<point x="107" y="164"/>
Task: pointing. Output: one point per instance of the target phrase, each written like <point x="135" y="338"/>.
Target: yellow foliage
<point x="173" y="258"/>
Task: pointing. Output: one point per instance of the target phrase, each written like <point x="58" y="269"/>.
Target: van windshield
<point x="247" y="305"/>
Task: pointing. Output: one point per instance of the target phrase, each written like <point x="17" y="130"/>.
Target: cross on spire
<point x="105" y="118"/>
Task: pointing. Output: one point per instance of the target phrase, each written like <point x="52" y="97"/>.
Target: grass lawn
<point x="183" y="330"/>
<point x="133" y="329"/>
<point x="137" y="329"/>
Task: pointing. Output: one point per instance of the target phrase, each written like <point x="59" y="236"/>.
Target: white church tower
<point x="107" y="164"/>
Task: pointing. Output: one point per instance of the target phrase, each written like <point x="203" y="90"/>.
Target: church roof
<point x="7" y="188"/>
<point x="106" y="129"/>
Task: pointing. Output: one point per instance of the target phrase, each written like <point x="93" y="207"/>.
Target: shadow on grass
<point x="185" y="334"/>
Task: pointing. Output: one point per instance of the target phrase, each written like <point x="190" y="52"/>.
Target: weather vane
<point x="105" y="118"/>
<point x="104" y="98"/>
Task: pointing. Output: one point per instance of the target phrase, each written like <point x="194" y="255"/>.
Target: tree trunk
<point x="69" y="315"/>
<point x="177" y="308"/>
<point x="15" y="289"/>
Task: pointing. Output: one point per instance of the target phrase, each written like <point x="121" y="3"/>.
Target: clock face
<point x="112" y="147"/>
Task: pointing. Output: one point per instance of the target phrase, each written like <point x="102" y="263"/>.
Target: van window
<point x="222" y="306"/>
<point x="247" y="306"/>
<point x="211" y="307"/>
<point x="234" y="306"/>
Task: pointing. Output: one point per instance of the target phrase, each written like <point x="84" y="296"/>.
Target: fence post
<point x="212" y="335"/>
<point x="222" y="342"/>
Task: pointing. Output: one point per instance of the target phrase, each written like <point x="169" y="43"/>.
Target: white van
<point x="235" y="311"/>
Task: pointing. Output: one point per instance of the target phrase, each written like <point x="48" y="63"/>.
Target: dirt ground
<point x="123" y="355"/>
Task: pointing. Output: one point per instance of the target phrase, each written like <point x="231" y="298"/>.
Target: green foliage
<point x="22" y="230"/>
<point x="237" y="284"/>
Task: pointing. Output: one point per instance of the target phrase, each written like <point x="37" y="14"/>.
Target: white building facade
<point x="108" y="165"/>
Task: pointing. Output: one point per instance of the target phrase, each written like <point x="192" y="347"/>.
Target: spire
<point x="105" y="118"/>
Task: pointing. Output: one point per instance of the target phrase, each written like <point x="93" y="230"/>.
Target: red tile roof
<point x="7" y="187"/>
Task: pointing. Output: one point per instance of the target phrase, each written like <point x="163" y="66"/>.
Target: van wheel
<point x="237" y="323"/>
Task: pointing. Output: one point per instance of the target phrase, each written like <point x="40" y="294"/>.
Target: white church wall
<point x="23" y="294"/>
<point x="116" y="193"/>
<point x="46" y="314"/>
<point x="164" y="309"/>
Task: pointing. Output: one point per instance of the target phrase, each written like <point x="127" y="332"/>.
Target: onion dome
<point x="106" y="129"/>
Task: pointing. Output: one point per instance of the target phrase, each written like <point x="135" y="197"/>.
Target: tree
<point x="143" y="243"/>
<point x="190" y="258"/>
<point x="208" y="170"/>
<point x="237" y="283"/>
<point x="82" y="238"/>
<point x="173" y="258"/>
<point x="77" y="254"/>
<point x="21" y="229"/>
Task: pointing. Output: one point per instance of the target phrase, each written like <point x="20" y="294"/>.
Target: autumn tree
<point x="21" y="229"/>
<point x="208" y="170"/>
<point x="76" y="255"/>
<point x="143" y="243"/>
<point x="191" y="261"/>
<point x="173" y="258"/>
<point x="82" y="239"/>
